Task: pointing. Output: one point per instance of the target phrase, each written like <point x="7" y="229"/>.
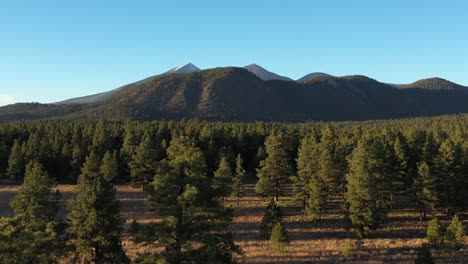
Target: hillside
<point x="312" y="75"/>
<point x="433" y="84"/>
<point x="235" y="94"/>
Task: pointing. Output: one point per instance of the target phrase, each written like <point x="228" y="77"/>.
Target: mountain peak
<point x="186" y="68"/>
<point x="264" y="74"/>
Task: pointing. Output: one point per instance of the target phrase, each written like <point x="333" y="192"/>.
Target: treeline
<point x="188" y="167"/>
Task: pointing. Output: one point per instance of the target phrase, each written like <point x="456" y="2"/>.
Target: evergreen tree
<point x="144" y="161"/>
<point x="237" y="181"/>
<point x="77" y="159"/>
<point x="454" y="235"/>
<point x="366" y="196"/>
<point x="16" y="162"/>
<point x="223" y="177"/>
<point x="451" y="177"/>
<point x="328" y="168"/>
<point x="110" y="166"/>
<point x="424" y="190"/>
<point x="306" y="169"/>
<point x="275" y="170"/>
<point x="130" y="141"/>
<point x="95" y="220"/>
<point x="400" y="149"/>
<point x="317" y="198"/>
<point x="102" y="138"/>
<point x="22" y="245"/>
<point x="36" y="204"/>
<point x="435" y="233"/>
<point x="184" y="198"/>
<point x="279" y="236"/>
<point x="271" y="216"/>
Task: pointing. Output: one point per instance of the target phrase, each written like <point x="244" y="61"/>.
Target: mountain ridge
<point x="236" y="94"/>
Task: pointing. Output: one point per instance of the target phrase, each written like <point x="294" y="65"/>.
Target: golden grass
<point x="396" y="242"/>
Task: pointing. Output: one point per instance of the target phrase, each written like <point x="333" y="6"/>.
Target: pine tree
<point x="400" y="149"/>
<point x="366" y="196"/>
<point x="102" y="138"/>
<point x="130" y="141"/>
<point x="424" y="190"/>
<point x="223" y="177"/>
<point x="454" y="235"/>
<point x="95" y="220"/>
<point x="271" y="216"/>
<point x="435" y="234"/>
<point x="110" y="166"/>
<point x="328" y="168"/>
<point x="317" y="199"/>
<point x="16" y="162"/>
<point x="451" y="178"/>
<point x="237" y="181"/>
<point x="306" y="169"/>
<point x="21" y="245"/>
<point x="187" y="203"/>
<point x="36" y="204"/>
<point x="144" y="161"/>
<point x="77" y="159"/>
<point x="276" y="169"/>
<point x="279" y="237"/>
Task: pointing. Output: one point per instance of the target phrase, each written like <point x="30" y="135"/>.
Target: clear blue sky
<point x="53" y="50"/>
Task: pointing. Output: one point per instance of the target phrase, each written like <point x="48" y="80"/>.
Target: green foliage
<point x="237" y="180"/>
<point x="144" y="162"/>
<point x="275" y="170"/>
<point x="21" y="245"/>
<point x="424" y="255"/>
<point x="143" y="232"/>
<point x="306" y="169"/>
<point x="110" y="166"/>
<point x="36" y="204"/>
<point x="435" y="234"/>
<point x="328" y="169"/>
<point x="279" y="236"/>
<point x="317" y="200"/>
<point x="451" y="174"/>
<point x="95" y="220"/>
<point x="366" y="196"/>
<point x="16" y="162"/>
<point x="271" y="216"/>
<point x="351" y="246"/>
<point x="454" y="235"/>
<point x="424" y="189"/>
<point x="183" y="196"/>
<point x="223" y="178"/>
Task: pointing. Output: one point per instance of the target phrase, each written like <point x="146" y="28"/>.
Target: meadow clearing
<point x="397" y="241"/>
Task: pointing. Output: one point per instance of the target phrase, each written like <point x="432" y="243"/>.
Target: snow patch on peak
<point x="186" y="68"/>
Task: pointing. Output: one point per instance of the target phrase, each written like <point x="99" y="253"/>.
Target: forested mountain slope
<point x="235" y="94"/>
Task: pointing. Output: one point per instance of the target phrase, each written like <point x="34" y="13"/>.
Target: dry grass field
<point x="396" y="242"/>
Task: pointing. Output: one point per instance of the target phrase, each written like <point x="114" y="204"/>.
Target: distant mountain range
<point x="253" y="93"/>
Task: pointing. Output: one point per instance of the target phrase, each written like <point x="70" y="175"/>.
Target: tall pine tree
<point x="36" y="204"/>
<point x="191" y="214"/>
<point x="276" y="169"/>
<point x="367" y="196"/>
<point x="237" y="180"/>
<point x="222" y="181"/>
<point x="95" y="220"/>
